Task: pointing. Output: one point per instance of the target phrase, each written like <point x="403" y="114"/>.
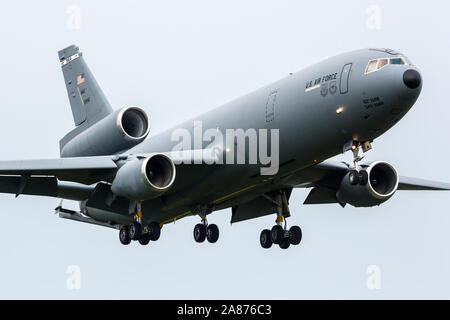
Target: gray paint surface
<point x="323" y="269"/>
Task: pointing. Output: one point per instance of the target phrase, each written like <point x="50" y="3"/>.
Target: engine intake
<point x="133" y="123"/>
<point x="144" y="179"/>
<point x="121" y="130"/>
<point x="381" y="183"/>
<point x="383" y="180"/>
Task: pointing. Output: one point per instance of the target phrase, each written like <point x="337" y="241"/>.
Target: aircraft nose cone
<point x="412" y="78"/>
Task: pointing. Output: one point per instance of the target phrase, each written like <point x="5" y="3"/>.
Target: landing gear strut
<point x="279" y="234"/>
<point x="137" y="231"/>
<point x="204" y="230"/>
<point x="358" y="175"/>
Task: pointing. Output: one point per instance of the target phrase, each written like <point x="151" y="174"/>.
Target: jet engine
<point x="144" y="179"/>
<point x="372" y="185"/>
<point x="121" y="130"/>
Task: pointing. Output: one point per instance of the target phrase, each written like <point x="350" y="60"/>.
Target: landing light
<point x="339" y="110"/>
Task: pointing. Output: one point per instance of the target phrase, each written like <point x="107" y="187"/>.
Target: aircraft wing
<point x="85" y="170"/>
<point x="326" y="177"/>
<point x="92" y="169"/>
<point x="329" y="174"/>
<point x="408" y="183"/>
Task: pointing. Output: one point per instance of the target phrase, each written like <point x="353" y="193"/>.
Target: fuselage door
<point x="270" y="106"/>
<point x="345" y="75"/>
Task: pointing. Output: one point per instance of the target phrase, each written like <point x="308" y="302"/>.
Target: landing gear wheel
<point x="295" y="235"/>
<point x="154" y="230"/>
<point x="284" y="244"/>
<point x="212" y="233"/>
<point x="145" y="239"/>
<point x="277" y="234"/>
<point x="363" y="177"/>
<point x="124" y="236"/>
<point x="135" y="230"/>
<point x="353" y="177"/>
<point x="200" y="232"/>
<point x="264" y="239"/>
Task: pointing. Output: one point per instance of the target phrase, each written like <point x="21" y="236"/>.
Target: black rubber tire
<point x="277" y="234"/>
<point x="145" y="239"/>
<point x="265" y="239"/>
<point x="353" y="177"/>
<point x="124" y="236"/>
<point x="284" y="244"/>
<point x="200" y="232"/>
<point x="212" y="233"/>
<point x="155" y="231"/>
<point x="135" y="230"/>
<point x="295" y="235"/>
<point x="363" y="177"/>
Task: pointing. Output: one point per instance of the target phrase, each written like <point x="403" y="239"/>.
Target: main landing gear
<point x="280" y="234"/>
<point x="137" y="231"/>
<point x="204" y="230"/>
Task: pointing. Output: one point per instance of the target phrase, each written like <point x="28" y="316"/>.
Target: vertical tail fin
<point x="87" y="100"/>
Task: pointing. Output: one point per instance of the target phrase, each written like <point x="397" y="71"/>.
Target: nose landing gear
<point x="279" y="234"/>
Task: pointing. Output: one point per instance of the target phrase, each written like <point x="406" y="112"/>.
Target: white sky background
<point x="177" y="60"/>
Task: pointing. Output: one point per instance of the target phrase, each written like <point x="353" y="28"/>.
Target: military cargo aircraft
<point x="136" y="185"/>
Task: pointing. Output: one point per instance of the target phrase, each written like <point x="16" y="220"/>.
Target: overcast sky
<point x="177" y="59"/>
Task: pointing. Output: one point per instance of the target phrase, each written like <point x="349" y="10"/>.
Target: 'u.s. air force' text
<point x="325" y="78"/>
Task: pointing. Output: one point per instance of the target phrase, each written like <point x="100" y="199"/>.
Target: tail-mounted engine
<point x="121" y="130"/>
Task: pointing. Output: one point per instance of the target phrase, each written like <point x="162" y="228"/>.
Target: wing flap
<point x="253" y="209"/>
<point x="44" y="186"/>
<point x="321" y="195"/>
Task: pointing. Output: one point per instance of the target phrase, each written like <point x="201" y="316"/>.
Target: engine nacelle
<point x="382" y="182"/>
<point x="144" y="179"/>
<point x="122" y="129"/>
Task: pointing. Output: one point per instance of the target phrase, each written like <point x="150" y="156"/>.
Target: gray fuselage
<point x="317" y="111"/>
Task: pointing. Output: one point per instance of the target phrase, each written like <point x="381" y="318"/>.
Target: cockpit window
<point x="377" y="64"/>
<point x="382" y="63"/>
<point x="396" y="61"/>
<point x="372" y="66"/>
